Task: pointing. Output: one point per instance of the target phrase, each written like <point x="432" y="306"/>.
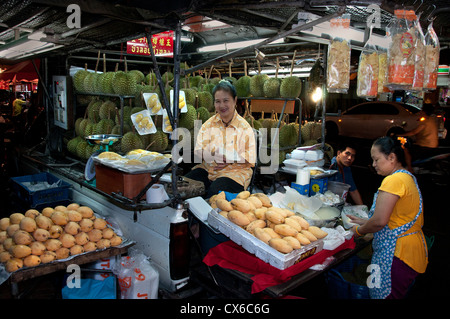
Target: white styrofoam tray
<point x="257" y="247"/>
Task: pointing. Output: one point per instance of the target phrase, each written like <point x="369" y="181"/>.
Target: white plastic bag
<point x="137" y="278"/>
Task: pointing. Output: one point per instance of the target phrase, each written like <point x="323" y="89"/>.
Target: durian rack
<point x="121" y="98"/>
<point x="286" y="100"/>
<point x="175" y="200"/>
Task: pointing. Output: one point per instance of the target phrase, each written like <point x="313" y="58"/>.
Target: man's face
<point x="346" y="157"/>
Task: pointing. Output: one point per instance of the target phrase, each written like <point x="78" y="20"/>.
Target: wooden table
<point x="44" y="269"/>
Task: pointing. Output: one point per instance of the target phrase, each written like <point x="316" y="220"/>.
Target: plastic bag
<point x="137" y="278"/>
<point x="432" y="48"/>
<point x="419" y="52"/>
<point x="401" y="53"/>
<point x="91" y="289"/>
<point x="367" y="82"/>
<point x="382" y="70"/>
<point x="338" y="61"/>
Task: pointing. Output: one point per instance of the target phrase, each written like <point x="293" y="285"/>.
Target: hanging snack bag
<point x="419" y="60"/>
<point x="338" y="63"/>
<point x="382" y="70"/>
<point x="401" y="56"/>
<point x="367" y="82"/>
<point x="432" y="48"/>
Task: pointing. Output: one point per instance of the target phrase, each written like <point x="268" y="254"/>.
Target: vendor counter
<point x="231" y="272"/>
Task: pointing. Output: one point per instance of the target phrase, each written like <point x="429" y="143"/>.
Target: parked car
<point x="371" y="120"/>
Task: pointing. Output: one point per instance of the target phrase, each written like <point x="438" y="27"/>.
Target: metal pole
<point x="176" y="98"/>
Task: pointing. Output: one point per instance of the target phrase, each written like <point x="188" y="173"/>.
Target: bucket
<point x="339" y="188"/>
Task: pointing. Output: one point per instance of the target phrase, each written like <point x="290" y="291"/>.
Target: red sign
<point x="162" y="44"/>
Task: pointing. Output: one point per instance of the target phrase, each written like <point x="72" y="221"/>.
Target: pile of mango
<point x="278" y="227"/>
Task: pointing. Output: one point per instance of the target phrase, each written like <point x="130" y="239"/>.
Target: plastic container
<point x="339" y="188"/>
<point x="39" y="197"/>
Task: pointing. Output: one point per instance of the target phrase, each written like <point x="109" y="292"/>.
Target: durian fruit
<point x="205" y="99"/>
<point x="158" y="141"/>
<point x="126" y="116"/>
<point x="150" y="79"/>
<point x="203" y="114"/>
<point x="191" y="96"/>
<point x="271" y="87"/>
<point x="195" y="81"/>
<point x="249" y="117"/>
<point x="138" y="76"/>
<point x="167" y="77"/>
<point x="124" y="83"/>
<point x="82" y="126"/>
<point x="116" y="129"/>
<point x="89" y="128"/>
<point x="81" y="148"/>
<point x="230" y="79"/>
<point x="93" y="110"/>
<point x="243" y="86"/>
<point x="107" y="110"/>
<point x="257" y="84"/>
<point x="88" y="151"/>
<point x="78" y="80"/>
<point x="288" y="135"/>
<point x="311" y="131"/>
<point x="73" y="143"/>
<point x="290" y="87"/>
<point x="106" y="83"/>
<point x="104" y="126"/>
<point x="130" y="141"/>
<point x="90" y="82"/>
<point x="187" y="119"/>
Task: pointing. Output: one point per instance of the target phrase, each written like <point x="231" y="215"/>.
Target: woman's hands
<point x="357" y="220"/>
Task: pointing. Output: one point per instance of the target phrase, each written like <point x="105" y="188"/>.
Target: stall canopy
<point x="22" y="71"/>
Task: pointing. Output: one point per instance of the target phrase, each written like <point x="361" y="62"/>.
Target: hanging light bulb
<point x="317" y="94"/>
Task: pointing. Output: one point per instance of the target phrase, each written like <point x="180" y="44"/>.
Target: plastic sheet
<point x="432" y="48"/>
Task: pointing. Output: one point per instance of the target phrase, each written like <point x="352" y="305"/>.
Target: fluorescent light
<point x="27" y="46"/>
<point x="234" y="45"/>
<point x="281" y="71"/>
<point x="350" y="34"/>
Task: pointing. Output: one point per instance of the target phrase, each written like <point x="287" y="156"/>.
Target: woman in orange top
<point x="225" y="146"/>
<point x="396" y="220"/>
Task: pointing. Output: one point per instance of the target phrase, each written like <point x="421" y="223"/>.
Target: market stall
<point x="123" y="139"/>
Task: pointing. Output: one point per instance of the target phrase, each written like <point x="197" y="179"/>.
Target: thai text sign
<point x="162" y="44"/>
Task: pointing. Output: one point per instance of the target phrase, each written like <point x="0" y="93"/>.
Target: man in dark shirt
<point x="341" y="162"/>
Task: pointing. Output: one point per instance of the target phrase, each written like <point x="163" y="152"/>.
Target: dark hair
<point x="226" y="86"/>
<point x="389" y="145"/>
<point x="343" y="146"/>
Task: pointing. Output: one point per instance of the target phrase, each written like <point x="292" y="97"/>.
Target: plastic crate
<point x="340" y="288"/>
<point x="46" y="196"/>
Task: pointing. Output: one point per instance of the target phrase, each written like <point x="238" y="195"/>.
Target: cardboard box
<point x="302" y="189"/>
<point x="319" y="185"/>
<point x="112" y="180"/>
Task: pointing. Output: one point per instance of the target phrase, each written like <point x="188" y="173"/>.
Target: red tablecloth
<point x="232" y="256"/>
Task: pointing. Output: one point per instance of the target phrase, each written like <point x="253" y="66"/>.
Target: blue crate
<point x="46" y="196"/>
